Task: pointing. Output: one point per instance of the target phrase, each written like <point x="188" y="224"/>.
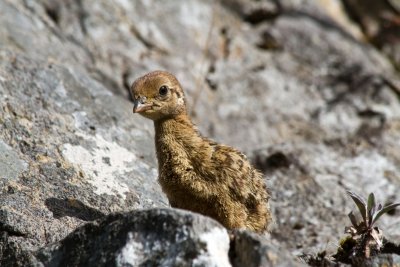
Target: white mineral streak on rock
<point x="103" y="164"/>
<point x="217" y="247"/>
<point x="131" y="254"/>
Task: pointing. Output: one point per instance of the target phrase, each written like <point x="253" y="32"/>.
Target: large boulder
<point x="158" y="237"/>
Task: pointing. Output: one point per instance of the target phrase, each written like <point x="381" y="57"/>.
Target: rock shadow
<point x="73" y="208"/>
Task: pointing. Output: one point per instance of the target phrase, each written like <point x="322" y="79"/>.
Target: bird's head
<point x="158" y="95"/>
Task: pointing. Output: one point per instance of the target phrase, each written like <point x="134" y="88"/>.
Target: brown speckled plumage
<point x="195" y="173"/>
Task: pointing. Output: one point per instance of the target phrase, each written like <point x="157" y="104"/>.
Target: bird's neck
<point x="176" y="127"/>
<point x="176" y="134"/>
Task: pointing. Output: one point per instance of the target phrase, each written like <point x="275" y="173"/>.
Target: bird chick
<point x="196" y="173"/>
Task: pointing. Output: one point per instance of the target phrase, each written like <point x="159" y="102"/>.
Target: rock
<point x="254" y="11"/>
<point x="11" y="166"/>
<point x="79" y="163"/>
<point x="157" y="237"/>
<point x="383" y="260"/>
<point x="380" y="24"/>
<point x="253" y="250"/>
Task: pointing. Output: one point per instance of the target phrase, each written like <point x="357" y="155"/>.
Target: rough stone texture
<point x="252" y="250"/>
<point x="158" y="237"/>
<point x="380" y="21"/>
<point x="11" y="166"/>
<point x="291" y="83"/>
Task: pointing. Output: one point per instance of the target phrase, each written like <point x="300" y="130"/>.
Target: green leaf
<point x="384" y="210"/>
<point x="371" y="206"/>
<point x="353" y="219"/>
<point x="360" y="204"/>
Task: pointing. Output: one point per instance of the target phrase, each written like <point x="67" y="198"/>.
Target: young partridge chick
<point x="196" y="173"/>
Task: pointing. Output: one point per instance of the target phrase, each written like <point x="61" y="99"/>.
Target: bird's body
<point x="195" y="173"/>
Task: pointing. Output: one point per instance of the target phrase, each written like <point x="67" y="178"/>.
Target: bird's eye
<point x="163" y="90"/>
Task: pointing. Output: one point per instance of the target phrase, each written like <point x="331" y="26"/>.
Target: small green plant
<point x="368" y="237"/>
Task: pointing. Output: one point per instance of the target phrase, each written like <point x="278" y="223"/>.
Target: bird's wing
<point x="232" y="170"/>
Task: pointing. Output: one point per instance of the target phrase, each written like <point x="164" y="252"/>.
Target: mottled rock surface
<point x="253" y="250"/>
<point x="292" y="83"/>
<point x="159" y="237"/>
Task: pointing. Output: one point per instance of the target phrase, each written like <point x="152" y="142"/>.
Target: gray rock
<point x="254" y="11"/>
<point x="78" y="158"/>
<point x="253" y="250"/>
<point x="11" y="166"/>
<point x="158" y="237"/>
<point x="384" y="260"/>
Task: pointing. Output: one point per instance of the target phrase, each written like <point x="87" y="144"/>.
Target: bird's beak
<point x="140" y="106"/>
